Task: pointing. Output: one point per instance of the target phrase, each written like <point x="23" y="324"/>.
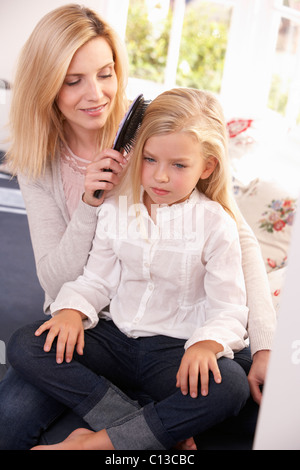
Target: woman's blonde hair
<point x="199" y="114"/>
<point x="35" y="120"/>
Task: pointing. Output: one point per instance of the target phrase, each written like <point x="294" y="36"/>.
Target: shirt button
<point x="151" y="287"/>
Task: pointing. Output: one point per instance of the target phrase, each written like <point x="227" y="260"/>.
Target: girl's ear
<point x="210" y="166"/>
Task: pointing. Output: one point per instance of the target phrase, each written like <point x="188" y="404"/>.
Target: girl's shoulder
<point x="114" y="206"/>
<point x="215" y="217"/>
<point x="210" y="206"/>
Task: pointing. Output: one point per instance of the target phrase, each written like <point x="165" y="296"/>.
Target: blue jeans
<point x="125" y="385"/>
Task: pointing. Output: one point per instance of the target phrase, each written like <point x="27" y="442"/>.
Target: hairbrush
<point x="128" y="128"/>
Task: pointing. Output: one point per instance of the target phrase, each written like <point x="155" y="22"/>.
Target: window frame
<point x="250" y="53"/>
<point x="292" y="111"/>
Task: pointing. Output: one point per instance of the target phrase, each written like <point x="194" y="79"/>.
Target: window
<point x="147" y="38"/>
<point x="178" y="42"/>
<point x="284" y="94"/>
<point x="247" y="51"/>
<point x="203" y="45"/>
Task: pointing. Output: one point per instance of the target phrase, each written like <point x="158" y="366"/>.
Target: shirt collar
<point x="175" y="210"/>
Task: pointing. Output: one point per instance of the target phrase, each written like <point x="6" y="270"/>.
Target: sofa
<point x="267" y="206"/>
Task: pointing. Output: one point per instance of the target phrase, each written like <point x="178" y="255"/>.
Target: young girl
<point x="167" y="259"/>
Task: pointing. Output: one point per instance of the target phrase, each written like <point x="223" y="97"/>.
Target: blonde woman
<point x="68" y="100"/>
<point x="69" y="97"/>
<point x="166" y="256"/>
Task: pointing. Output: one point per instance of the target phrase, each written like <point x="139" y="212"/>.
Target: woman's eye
<point x="73" y="83"/>
<point x="106" y="72"/>
<point x="109" y="75"/>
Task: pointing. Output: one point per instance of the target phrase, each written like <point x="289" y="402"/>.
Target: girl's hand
<point x="67" y="326"/>
<point x="97" y="178"/>
<point x="197" y="360"/>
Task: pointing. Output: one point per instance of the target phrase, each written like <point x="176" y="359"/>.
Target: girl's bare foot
<point x="188" y="444"/>
<point x="82" y="439"/>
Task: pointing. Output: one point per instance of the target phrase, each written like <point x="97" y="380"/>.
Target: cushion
<point x="269" y="210"/>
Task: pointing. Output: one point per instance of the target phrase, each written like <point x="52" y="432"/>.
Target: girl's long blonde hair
<point x="199" y="114"/>
<point x="35" y="121"/>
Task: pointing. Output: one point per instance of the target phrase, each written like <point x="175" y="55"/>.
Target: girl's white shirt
<point x="61" y="245"/>
<point x="180" y="275"/>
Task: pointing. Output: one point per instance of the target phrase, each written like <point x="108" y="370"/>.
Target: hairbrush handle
<point x="127" y="129"/>
<point x="99" y="192"/>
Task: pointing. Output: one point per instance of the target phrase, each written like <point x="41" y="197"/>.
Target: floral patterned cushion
<point x="269" y="210"/>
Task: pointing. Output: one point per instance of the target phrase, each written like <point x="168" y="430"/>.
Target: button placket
<point x="146" y="268"/>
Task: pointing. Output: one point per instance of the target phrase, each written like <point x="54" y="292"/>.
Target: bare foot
<point x="188" y="444"/>
<point x="82" y="439"/>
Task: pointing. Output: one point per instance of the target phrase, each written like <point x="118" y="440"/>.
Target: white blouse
<point x="179" y="276"/>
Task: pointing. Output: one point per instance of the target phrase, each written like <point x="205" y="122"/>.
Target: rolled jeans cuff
<point x="105" y="405"/>
<point x="142" y="430"/>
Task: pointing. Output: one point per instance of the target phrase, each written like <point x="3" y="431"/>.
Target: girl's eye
<point x="149" y="159"/>
<point x="179" y="165"/>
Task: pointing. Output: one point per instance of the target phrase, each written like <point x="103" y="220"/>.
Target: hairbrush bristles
<point x="128" y="128"/>
<point x="127" y="131"/>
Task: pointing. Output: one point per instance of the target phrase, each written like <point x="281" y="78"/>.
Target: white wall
<point x="17" y="20"/>
<point x="19" y="17"/>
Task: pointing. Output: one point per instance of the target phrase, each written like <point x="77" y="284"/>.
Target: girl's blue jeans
<point x="122" y="384"/>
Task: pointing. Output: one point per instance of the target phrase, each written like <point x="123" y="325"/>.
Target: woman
<point x="69" y="97"/>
